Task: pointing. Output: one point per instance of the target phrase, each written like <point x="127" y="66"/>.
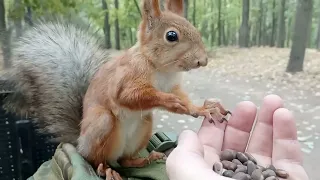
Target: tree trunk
<point x="116" y="25"/>
<point x="265" y="33"/>
<point x="212" y="26"/>
<point x="225" y="38"/>
<point x="260" y="24"/>
<point x="186" y="5"/>
<point x="213" y="34"/>
<point x="289" y="31"/>
<point x="131" y="37"/>
<point x="318" y="35"/>
<point x="106" y="27"/>
<point x="253" y="29"/>
<point x="5" y="36"/>
<point x="301" y="31"/>
<point x="138" y="7"/>
<point x="28" y="16"/>
<point x="229" y="34"/>
<point x="18" y="19"/>
<point x="194" y="13"/>
<point x="3" y="26"/>
<point x="219" y="23"/>
<point x="223" y="26"/>
<point x="274" y="21"/>
<point x="281" y="37"/>
<point x="257" y="38"/>
<point x="244" y="29"/>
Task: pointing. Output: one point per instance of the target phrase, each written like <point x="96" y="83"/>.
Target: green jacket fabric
<point x="68" y="164"/>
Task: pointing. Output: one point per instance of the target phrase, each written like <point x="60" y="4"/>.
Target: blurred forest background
<point x="267" y="37"/>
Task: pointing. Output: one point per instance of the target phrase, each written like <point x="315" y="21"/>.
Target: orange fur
<point x="103" y="143"/>
<point x="175" y="6"/>
<point x="104" y="147"/>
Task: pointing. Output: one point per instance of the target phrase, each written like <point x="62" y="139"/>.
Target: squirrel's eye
<point x="172" y="36"/>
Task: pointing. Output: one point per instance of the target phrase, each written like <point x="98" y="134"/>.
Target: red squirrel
<point x="104" y="105"/>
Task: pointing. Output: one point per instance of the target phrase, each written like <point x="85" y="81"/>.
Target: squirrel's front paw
<point x="217" y="111"/>
<point x="212" y="109"/>
<point x="174" y="104"/>
<point x="212" y="104"/>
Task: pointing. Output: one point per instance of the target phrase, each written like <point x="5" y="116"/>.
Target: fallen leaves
<point x="269" y="64"/>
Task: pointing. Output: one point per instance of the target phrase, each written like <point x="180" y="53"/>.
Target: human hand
<point x="273" y="141"/>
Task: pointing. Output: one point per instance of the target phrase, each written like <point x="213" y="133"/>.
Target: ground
<point x="234" y="75"/>
<point x="226" y="80"/>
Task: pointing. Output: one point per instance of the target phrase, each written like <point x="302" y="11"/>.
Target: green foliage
<point x="41" y="7"/>
<point x="206" y="16"/>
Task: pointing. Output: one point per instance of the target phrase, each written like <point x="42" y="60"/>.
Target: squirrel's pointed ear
<point x="150" y="11"/>
<point x="175" y="6"/>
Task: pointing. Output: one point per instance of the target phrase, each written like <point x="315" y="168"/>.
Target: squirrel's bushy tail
<point x="52" y="67"/>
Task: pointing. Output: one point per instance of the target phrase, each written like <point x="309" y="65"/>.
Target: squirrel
<point x="76" y="91"/>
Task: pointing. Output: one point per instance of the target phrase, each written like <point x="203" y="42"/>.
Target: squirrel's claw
<point x="223" y="119"/>
<point x="229" y="112"/>
<point x="212" y="121"/>
<point x="195" y="115"/>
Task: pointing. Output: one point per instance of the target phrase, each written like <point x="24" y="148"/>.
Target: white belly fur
<point x="165" y="81"/>
<point x="131" y="120"/>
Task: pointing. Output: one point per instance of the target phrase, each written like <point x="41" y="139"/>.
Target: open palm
<point x="273" y="141"/>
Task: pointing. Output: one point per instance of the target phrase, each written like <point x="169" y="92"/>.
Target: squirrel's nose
<point x="203" y="61"/>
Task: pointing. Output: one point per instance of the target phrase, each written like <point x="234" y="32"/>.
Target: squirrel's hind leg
<point x="99" y="141"/>
<point x="143" y="136"/>
<point x="141" y="162"/>
<point x="106" y="171"/>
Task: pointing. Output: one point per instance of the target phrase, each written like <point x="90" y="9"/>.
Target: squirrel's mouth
<point x="188" y="68"/>
<point x="184" y="68"/>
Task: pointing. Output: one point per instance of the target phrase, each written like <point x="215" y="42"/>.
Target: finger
<point x="100" y="170"/>
<point x="286" y="152"/>
<point x="211" y="136"/>
<point x="189" y="154"/>
<point x="184" y="108"/>
<point x="116" y="175"/>
<point x="180" y="109"/>
<point x="237" y="132"/>
<point x="189" y="141"/>
<point x="285" y="143"/>
<point x="109" y="174"/>
<point x="261" y="141"/>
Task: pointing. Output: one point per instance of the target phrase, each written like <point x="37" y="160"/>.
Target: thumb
<point x="186" y="160"/>
<point x="189" y="141"/>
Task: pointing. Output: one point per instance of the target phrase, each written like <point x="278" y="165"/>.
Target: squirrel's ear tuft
<point x="175" y="6"/>
<point x="150" y="11"/>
